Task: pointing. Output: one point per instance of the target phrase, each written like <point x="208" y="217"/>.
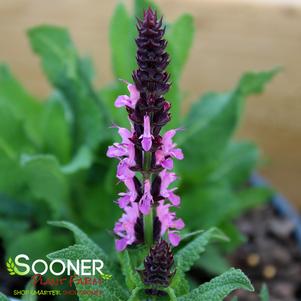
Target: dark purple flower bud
<point x="150" y="78"/>
<point x="158" y="268"/>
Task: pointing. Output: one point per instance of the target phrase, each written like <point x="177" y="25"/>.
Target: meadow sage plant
<point x="60" y="160"/>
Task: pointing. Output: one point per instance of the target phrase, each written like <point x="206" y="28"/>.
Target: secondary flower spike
<point x="145" y="155"/>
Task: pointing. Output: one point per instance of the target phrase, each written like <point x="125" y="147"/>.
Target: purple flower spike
<point x="144" y="149"/>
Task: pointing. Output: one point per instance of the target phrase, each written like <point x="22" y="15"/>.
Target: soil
<point x="271" y="255"/>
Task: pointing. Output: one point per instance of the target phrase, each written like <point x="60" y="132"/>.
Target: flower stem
<point x="148" y="219"/>
<point x="148" y="228"/>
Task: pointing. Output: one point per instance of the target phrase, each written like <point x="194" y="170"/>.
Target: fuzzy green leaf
<point x="82" y="238"/>
<point x="179" y="283"/>
<point x="212" y="121"/>
<point x="219" y="287"/>
<point x="55" y="129"/>
<point x="68" y="73"/>
<point x="188" y="255"/>
<point x="131" y="276"/>
<point x="46" y="181"/>
<point x="36" y="243"/>
<point x="110" y="289"/>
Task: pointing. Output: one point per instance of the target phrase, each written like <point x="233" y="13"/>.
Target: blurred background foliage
<point x="52" y="152"/>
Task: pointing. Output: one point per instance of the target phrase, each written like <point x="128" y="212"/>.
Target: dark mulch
<point x="270" y="256"/>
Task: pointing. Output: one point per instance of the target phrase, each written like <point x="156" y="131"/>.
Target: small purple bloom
<point x="169" y="223"/>
<point x="166" y="179"/>
<point x="128" y="101"/>
<point x="123" y="170"/>
<point x="147" y="136"/>
<point x="130" y="196"/>
<point x="147" y="199"/>
<point x="125" y="227"/>
<point x="168" y="151"/>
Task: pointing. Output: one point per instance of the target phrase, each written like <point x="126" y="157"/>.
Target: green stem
<point x="134" y="294"/>
<point x="148" y="228"/>
<point x="171" y="294"/>
<point x="148" y="219"/>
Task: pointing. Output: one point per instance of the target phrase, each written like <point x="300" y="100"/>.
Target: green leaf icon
<point x="10" y="267"/>
<point x="106" y="276"/>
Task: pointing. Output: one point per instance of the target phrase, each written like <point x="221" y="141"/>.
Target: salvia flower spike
<point x="146" y="159"/>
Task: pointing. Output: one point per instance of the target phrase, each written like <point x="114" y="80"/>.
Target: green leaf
<point x="179" y="283"/>
<point x="180" y="36"/>
<point x="111" y="290"/>
<point x="70" y="75"/>
<point x="37" y="244"/>
<point x="46" y="181"/>
<point x="264" y="293"/>
<point x="19" y="112"/>
<point x="56" y="129"/>
<point x="82" y="239"/>
<point x="131" y="276"/>
<point x="3" y="297"/>
<point x="109" y="94"/>
<point x="122" y="42"/>
<point x="211" y="122"/>
<point x="211" y="201"/>
<point x="188" y="255"/>
<point x="213" y="261"/>
<point x="237" y="163"/>
<point x="82" y="160"/>
<point x="219" y="287"/>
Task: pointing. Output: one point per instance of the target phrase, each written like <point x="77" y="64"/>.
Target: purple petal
<point x="134" y="95"/>
<point x="175" y="199"/>
<point x="146" y="143"/>
<point x="123" y="201"/>
<point x="144" y="206"/>
<point x="177" y="153"/>
<point x="174" y="238"/>
<point x="178" y="224"/>
<point x="115" y="151"/>
<point x="121" y="101"/>
<point x="120" y="244"/>
<point x="168" y="164"/>
<point x="123" y="171"/>
<point x="125" y="134"/>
